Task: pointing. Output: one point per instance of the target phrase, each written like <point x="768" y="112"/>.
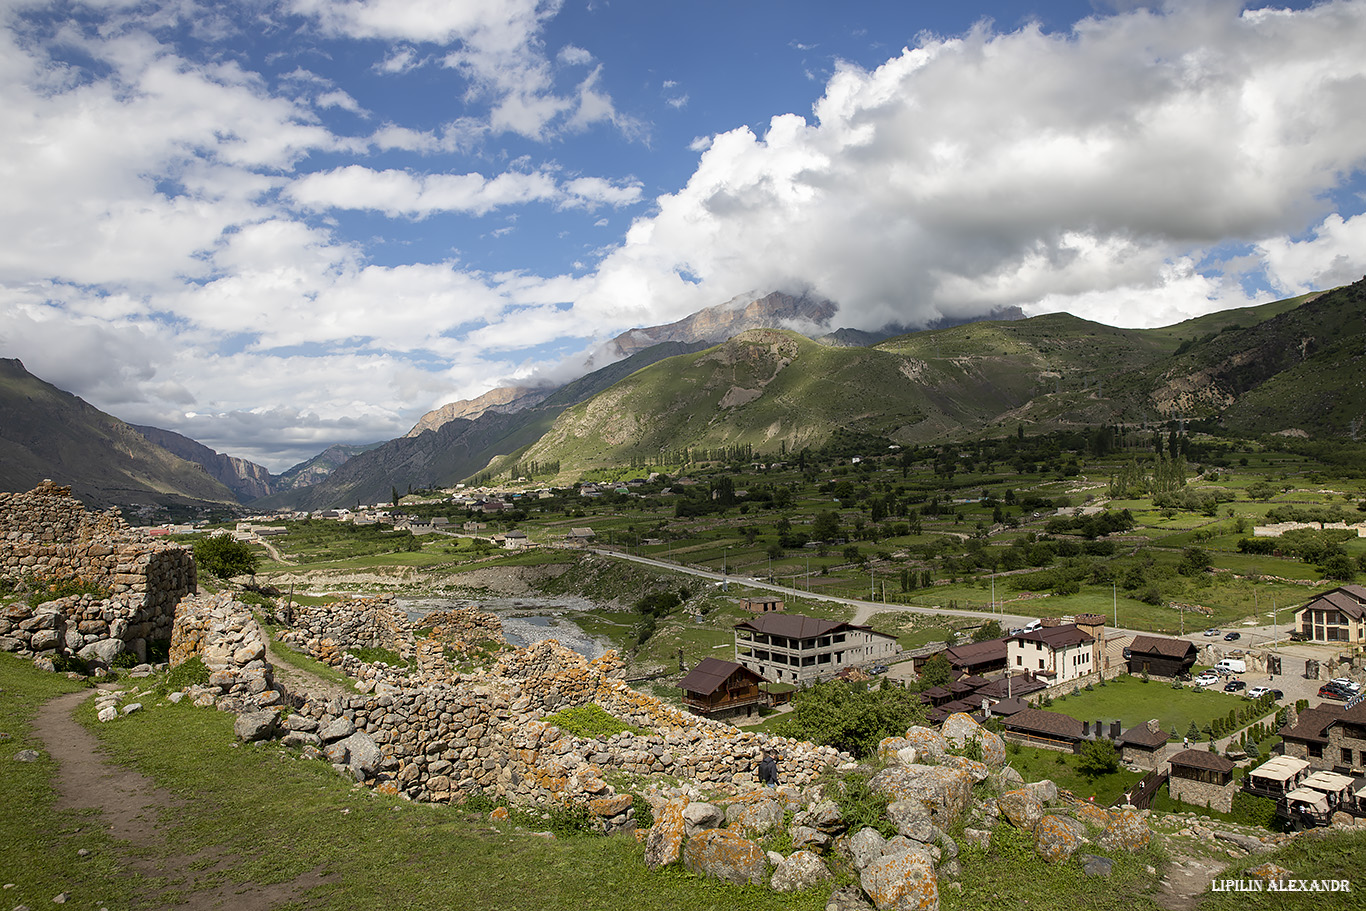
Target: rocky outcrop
<point x="727" y="856"/>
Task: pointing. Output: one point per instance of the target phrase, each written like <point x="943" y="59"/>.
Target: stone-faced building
<point x="1337" y="617"/>
<point x="1203" y="778"/>
<point x="1159" y="656"/>
<point x="1050" y="730"/>
<point x="1143" y="745"/>
<point x="790" y="648"/>
<point x="1330" y="738"/>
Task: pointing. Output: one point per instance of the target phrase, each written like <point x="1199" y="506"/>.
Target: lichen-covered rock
<point x="823" y="815"/>
<point x="1056" y="838"/>
<point x="927" y="741"/>
<point x="945" y="791"/>
<point x="1095" y="865"/>
<point x="961" y="729"/>
<point x="254" y="726"/>
<point x="665" y="840"/>
<point x="799" y="871"/>
<point x="1269" y="872"/>
<point x="905" y="881"/>
<point x="911" y="818"/>
<point x="1022" y="808"/>
<point x="865" y="846"/>
<point x="757" y="817"/>
<point x="807" y="837"/>
<point x="700" y="815"/>
<point x="362" y="755"/>
<point x="978" y="771"/>
<point x="1127" y="831"/>
<point x="1045" y="790"/>
<point x="1093" y="815"/>
<point x="726" y="856"/>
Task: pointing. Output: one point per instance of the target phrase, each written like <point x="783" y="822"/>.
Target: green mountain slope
<point x="48" y="433"/>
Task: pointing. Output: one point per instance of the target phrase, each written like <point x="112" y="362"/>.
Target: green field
<point x="1131" y="701"/>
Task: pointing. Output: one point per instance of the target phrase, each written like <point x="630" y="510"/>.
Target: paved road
<point x="863" y="610"/>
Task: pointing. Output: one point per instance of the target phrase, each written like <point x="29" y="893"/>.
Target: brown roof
<point x="977" y="652"/>
<point x="1350" y="599"/>
<point x="1007" y="707"/>
<point x="1167" y="648"/>
<point x="1312" y="724"/>
<point x="1202" y="759"/>
<point x="1019" y="685"/>
<point x="1056" y="637"/>
<point x="795" y="626"/>
<point x="711" y="673"/>
<point x="1139" y="735"/>
<point x="1053" y="724"/>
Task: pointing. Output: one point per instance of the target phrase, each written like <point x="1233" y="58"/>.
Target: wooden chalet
<point x="1051" y="730"/>
<point x="1158" y="656"/>
<point x="1202" y="766"/>
<point x="720" y="689"/>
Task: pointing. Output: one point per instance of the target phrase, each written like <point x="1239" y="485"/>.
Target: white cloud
<point x="1026" y="167"/>
<point x="1335" y="254"/>
<point x="400" y="193"/>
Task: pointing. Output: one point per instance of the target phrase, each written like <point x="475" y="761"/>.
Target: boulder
<point x="726" y="856"/>
<point x="1045" y="790"/>
<point x="1056" y="838"/>
<point x="823" y="816"/>
<point x="1095" y="865"/>
<point x="700" y="815"/>
<point x="902" y="881"/>
<point x="1127" y="831"/>
<point x="865" y="846"/>
<point x="799" y="871"/>
<point x="978" y="771"/>
<point x="945" y="791"/>
<point x="108" y="713"/>
<point x="337" y="730"/>
<point x="911" y="818"/>
<point x="254" y="726"/>
<point x="807" y="837"/>
<point x="363" y="756"/>
<point x="757" y="817"/>
<point x="665" y="838"/>
<point x="1022" y="808"/>
<point x="928" y="742"/>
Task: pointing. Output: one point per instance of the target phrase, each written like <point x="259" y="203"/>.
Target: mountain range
<point x="721" y="378"/>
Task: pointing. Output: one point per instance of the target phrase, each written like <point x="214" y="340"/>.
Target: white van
<point x="1231" y="666"/>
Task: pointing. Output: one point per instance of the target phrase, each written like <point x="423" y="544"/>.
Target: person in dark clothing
<point x="768" y="771"/>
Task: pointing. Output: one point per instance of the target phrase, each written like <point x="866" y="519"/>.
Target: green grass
<point x="276" y="816"/>
<point x="1036" y="764"/>
<point x="1132" y="702"/>
<point x="298" y="659"/>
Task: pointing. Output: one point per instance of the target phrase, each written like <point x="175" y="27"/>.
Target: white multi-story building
<point x="790" y="648"/>
<point x="1056" y="653"/>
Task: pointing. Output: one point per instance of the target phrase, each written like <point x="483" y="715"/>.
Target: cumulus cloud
<point x="1026" y="167"/>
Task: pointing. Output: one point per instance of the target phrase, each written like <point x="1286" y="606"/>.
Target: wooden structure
<point x="1277" y="777"/>
<point x="1158" y="656"/>
<point x="720" y="689"/>
<point x="1050" y="730"/>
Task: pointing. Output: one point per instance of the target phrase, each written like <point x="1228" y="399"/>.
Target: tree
<point x="826" y="527"/>
<point x="223" y="558"/>
<point x="851" y="717"/>
<point x="989" y="630"/>
<point x="1098" y="757"/>
<point x="936" y="672"/>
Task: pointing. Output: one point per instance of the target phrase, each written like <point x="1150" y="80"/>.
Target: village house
<point x="1143" y="745"/>
<point x="1050" y="730"/>
<point x="1330" y="738"/>
<point x="1337" y="617"/>
<point x="1058" y="653"/>
<point x="722" y="689"/>
<point x="1159" y="656"/>
<point x="762" y="605"/>
<point x="790" y="648"/>
<point x="1203" y="778"/>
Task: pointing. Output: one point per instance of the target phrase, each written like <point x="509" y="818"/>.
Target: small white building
<point x="790" y="648"/>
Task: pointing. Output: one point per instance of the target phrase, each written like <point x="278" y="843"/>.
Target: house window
<point x="1316" y="750"/>
<point x="1346" y="756"/>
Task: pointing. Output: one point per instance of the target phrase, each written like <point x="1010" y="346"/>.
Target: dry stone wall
<point x="327" y="630"/>
<point x="48" y="536"/>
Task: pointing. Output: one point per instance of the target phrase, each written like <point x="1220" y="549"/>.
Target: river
<point x="525" y="620"/>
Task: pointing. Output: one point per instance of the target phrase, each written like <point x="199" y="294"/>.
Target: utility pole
<point x="1114" y="595"/>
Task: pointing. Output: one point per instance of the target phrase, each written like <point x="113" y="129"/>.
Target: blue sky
<point x="278" y="224"/>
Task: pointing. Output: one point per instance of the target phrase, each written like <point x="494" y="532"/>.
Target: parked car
<point x="1257" y="692"/>
<point x="1206" y="679"/>
<point x="1211" y="632"/>
<point x="1278" y="694"/>
<point x="1346" y="683"/>
<point x="1232" y="637"/>
<point x="1298" y="636"/>
<point x="1329" y="691"/>
<point x="1234" y="686"/>
<point x="878" y="669"/>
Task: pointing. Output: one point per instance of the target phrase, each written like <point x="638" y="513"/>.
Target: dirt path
<point x="133" y="808"/>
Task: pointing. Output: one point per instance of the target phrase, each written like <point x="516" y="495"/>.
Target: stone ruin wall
<point x="442" y="736"/>
<point x="49" y="536"/>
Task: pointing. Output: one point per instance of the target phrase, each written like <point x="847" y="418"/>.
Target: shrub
<point x="590" y="720"/>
